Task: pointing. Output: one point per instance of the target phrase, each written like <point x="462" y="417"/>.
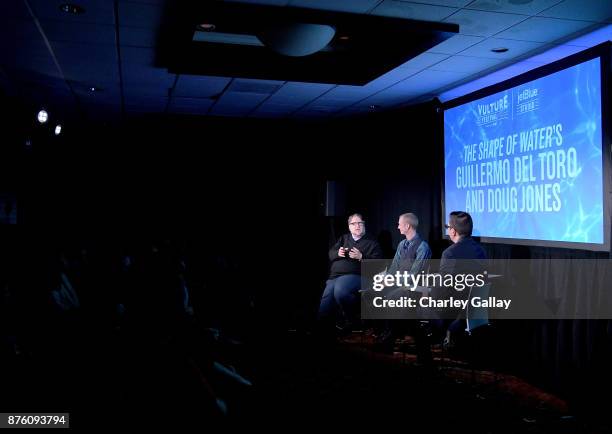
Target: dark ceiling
<point x="104" y="62"/>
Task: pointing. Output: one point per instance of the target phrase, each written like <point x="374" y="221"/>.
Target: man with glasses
<point x="470" y="254"/>
<point x="341" y="294"/>
<point x="464" y="256"/>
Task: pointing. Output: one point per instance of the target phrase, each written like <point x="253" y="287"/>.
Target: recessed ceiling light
<point x="344" y="38"/>
<point x="58" y="129"/>
<point x="499" y="50"/>
<point x="207" y="27"/>
<point x="71" y="8"/>
<point x="42" y="116"/>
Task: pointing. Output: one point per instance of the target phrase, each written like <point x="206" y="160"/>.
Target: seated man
<point x="464" y="256"/>
<point x="342" y="287"/>
<point x="412" y="256"/>
<point x="413" y="253"/>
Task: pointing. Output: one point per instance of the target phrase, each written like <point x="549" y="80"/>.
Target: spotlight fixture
<point x="58" y="129"/>
<point x="499" y="50"/>
<point x="206" y="27"/>
<point x="72" y="9"/>
<point x="42" y="116"/>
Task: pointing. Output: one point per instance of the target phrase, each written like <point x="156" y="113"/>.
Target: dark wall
<point x="252" y="192"/>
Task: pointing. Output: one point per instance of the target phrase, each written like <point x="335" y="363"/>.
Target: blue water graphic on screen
<point x="526" y="163"/>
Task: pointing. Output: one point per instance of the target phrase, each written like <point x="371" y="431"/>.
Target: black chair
<point x="479" y="331"/>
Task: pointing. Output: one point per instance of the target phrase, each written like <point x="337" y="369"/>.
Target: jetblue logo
<point x="527" y="100"/>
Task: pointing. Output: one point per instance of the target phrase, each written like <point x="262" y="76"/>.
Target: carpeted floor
<point x="348" y="385"/>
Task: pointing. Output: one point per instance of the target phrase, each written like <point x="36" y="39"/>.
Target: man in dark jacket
<point x="342" y="287"/>
<point x="465" y="255"/>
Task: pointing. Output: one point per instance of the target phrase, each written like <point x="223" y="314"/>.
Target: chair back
<point x="477" y="316"/>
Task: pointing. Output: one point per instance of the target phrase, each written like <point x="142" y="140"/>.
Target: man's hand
<point x="342" y="252"/>
<point x="355" y="253"/>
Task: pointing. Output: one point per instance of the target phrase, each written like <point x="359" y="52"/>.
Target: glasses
<point x="357" y="223"/>
<point x="448" y="227"/>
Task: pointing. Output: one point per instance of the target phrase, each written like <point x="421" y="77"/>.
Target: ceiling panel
<point x="237" y="104"/>
<point x="145" y="89"/>
<point x="134" y="75"/>
<point x="347" y="94"/>
<point x="96" y="11"/>
<point x="455" y="44"/>
<point x="524" y="7"/>
<point x="254" y="86"/>
<point x="356" y="6"/>
<point x="21" y="39"/>
<point x="151" y="2"/>
<point x="450" y="3"/>
<point x="423" y="61"/>
<point x="466" y="64"/>
<point x="540" y="29"/>
<point x="190" y="105"/>
<point x="515" y="48"/>
<point x="18" y="30"/>
<point x="493" y="78"/>
<point x="389" y="99"/>
<point x="423" y="82"/>
<point x="48" y="92"/>
<point x="35" y="59"/>
<point x="481" y="23"/>
<point x="297" y="94"/>
<point x="199" y="86"/>
<point x="555" y="53"/>
<point x="86" y="48"/>
<point x="84" y="33"/>
<point x="100" y="65"/>
<point x="13" y="10"/>
<point x="140" y="15"/>
<point x="596" y="37"/>
<point x="273" y="110"/>
<point x="389" y="79"/>
<point x="138" y="67"/>
<point x="330" y="103"/>
<point x="414" y="11"/>
<point x="138" y="36"/>
<point x="30" y="78"/>
<point x="241" y="99"/>
<point x="598" y="11"/>
<point x="263" y="2"/>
